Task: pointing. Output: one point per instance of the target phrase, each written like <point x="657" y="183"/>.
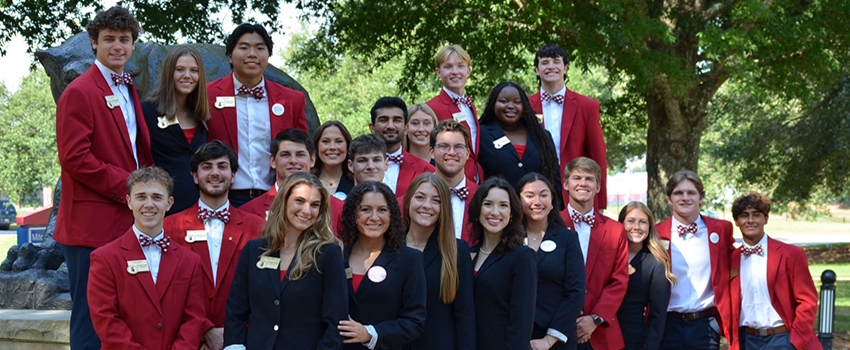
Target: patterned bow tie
<point x="462" y="192"/>
<point x="205" y="214"/>
<point x="756" y="249"/>
<point x="122" y="79"/>
<point x="398" y="159"/>
<point x="692" y="228"/>
<point x="257" y="92"/>
<point x="559" y="99"/>
<point x="163" y="242"/>
<point x="590" y="219"/>
<point x="463" y="99"/>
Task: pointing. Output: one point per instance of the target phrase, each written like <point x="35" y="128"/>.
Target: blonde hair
<point x="164" y="96"/>
<point x="652" y="240"/>
<point x="445" y="231"/>
<point x="413" y="109"/>
<point x="312" y="239"/>
<point x="446" y="51"/>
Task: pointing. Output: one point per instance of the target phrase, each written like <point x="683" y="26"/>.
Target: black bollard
<point x="826" y="310"/>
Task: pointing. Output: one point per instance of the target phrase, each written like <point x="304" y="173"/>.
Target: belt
<point x="692" y="316"/>
<point x="767" y="331"/>
<point x="250" y="193"/>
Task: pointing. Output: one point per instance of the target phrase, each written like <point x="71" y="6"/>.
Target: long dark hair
<point x="395" y="233"/>
<point x="554" y="218"/>
<point x="317" y="136"/>
<point x="538" y="135"/>
<point x="513" y="233"/>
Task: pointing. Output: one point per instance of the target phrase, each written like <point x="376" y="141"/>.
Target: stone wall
<point x="34" y="329"/>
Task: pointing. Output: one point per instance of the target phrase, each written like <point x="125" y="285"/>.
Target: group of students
<point x="438" y="230"/>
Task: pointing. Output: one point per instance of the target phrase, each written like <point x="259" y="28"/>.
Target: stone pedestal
<point x="34" y="329"/>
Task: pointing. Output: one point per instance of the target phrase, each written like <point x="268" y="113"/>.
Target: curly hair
<point x="115" y="18"/>
<point x="554" y="218"/>
<point x="394" y="235"/>
<point x="513" y="233"/>
<point x="753" y="200"/>
<point x="536" y="132"/>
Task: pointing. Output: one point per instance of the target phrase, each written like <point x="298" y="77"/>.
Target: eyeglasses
<point x="458" y="148"/>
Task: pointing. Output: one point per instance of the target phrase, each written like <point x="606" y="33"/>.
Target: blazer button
<point x="519" y="165"/>
<point x="211" y="298"/>
<point x="275" y="328"/>
<point x="277" y="302"/>
<point x="159" y="326"/>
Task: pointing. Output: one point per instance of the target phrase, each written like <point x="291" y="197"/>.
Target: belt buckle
<point x="763" y="332"/>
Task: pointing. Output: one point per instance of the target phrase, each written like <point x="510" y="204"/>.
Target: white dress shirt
<point x="153" y="254"/>
<point x="254" y="137"/>
<point x="756" y="309"/>
<point x="470" y="118"/>
<point x="391" y="175"/>
<point x="215" y="231"/>
<point x="583" y="230"/>
<point x="691" y="264"/>
<point x="458" y="209"/>
<point x="128" y="107"/>
<point x="553" y="114"/>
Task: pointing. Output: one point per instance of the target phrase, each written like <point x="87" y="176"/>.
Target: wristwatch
<point x="597" y="320"/>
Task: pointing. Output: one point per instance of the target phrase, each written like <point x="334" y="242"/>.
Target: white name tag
<point x="164" y="122"/>
<point x="136" y="266"/>
<point x="225" y="101"/>
<point x="112" y="101"/>
<point x="501" y="142"/>
<point x="268" y="262"/>
<point x="193" y="236"/>
<point x="459" y="117"/>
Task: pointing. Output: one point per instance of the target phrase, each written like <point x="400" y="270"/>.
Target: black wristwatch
<point x="597" y="320"/>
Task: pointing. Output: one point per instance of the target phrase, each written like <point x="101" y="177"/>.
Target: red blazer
<point x="412" y="167"/>
<point x="467" y="227"/>
<point x="607" y="274"/>
<point x="444" y="108"/>
<point x="131" y="312"/>
<point x="96" y="158"/>
<point x="260" y="206"/>
<point x="241" y="228"/>
<point x="223" y="125"/>
<point x="719" y="254"/>
<point x="581" y="135"/>
<point x="336" y="215"/>
<point x="792" y="293"/>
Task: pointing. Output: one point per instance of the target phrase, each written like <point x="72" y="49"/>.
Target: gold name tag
<point x="193" y="236"/>
<point x="136" y="266"/>
<point x="225" y="102"/>
<point x="268" y="262"/>
<point x="112" y="101"/>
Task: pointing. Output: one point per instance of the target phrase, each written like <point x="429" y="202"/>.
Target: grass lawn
<point x="841" y="270"/>
<point x="6" y="241"/>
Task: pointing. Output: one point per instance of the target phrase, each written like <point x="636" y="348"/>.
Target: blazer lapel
<point x="285" y="281"/>
<point x="133" y="251"/>
<point x="491" y="259"/>
<point x="230" y="240"/>
<point x="191" y="222"/>
<point x="352" y="297"/>
<point x="714" y="250"/>
<point x="276" y="96"/>
<point x="496" y="133"/>
<point x="386" y="258"/>
<point x="274" y="274"/>
<point x="117" y="115"/>
<point x="143" y="137"/>
<point x="597" y="236"/>
<point x="542" y="254"/>
<point x="431" y="250"/>
<point x="230" y="122"/>
<point x="168" y="265"/>
<point x="405" y="174"/>
<point x="569" y="116"/>
<point x="774" y="261"/>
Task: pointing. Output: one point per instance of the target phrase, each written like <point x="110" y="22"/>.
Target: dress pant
<point x="770" y="342"/>
<point x="700" y="334"/>
<point x="83" y="336"/>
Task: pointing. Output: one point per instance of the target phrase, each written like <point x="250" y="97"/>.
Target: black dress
<point x="648" y="289"/>
<point x="172" y="152"/>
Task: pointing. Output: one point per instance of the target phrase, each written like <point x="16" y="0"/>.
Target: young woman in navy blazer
<point x="448" y="270"/>
<point x="643" y="312"/>
<point x="560" y="267"/>
<point x="332" y="140"/>
<point x="387" y="290"/>
<point x="174" y="113"/>
<point x="505" y="286"/>
<point x="289" y="290"/>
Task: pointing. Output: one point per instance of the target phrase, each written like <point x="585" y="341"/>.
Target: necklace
<point x="484" y="251"/>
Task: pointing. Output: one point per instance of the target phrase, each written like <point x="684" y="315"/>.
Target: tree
<point x="27" y="138"/>
<point x="672" y="56"/>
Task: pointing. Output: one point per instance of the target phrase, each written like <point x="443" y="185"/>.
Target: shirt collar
<point x="573" y="210"/>
<point x="451" y="93"/>
<point x="562" y="92"/>
<point x="140" y="234"/>
<point x="675" y="223"/>
<point x="106" y="72"/>
<point x="397" y="152"/>
<point x="762" y="241"/>
<point x="225" y="206"/>
<point x="462" y="183"/>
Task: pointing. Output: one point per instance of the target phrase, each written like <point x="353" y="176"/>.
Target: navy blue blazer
<point x="448" y="326"/>
<point x="265" y="313"/>
<point x="505" y="290"/>
<point x="394" y="306"/>
<point x="172" y="152"/>
<point x="560" y="285"/>
<point x="648" y="289"/>
<point x="505" y="161"/>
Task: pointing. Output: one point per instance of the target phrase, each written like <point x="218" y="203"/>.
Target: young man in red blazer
<point x="699" y="310"/>
<point x="101" y="137"/>
<point x="389" y="115"/>
<point x="571" y="118"/>
<point x="246" y="110"/>
<point x="452" y="103"/>
<point x="450" y="152"/>
<point x="145" y="292"/>
<point x="292" y="151"/>
<point x="367" y="161"/>
<point x="215" y="231"/>
<point x="606" y="257"/>
<point x="774" y="299"/>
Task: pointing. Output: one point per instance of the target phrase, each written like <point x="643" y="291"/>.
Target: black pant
<point x="701" y="334"/>
<point x="83" y="336"/>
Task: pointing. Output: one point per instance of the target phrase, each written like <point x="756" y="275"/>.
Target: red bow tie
<point x="163" y="242"/>
<point x="463" y="99"/>
<point x="204" y="214"/>
<point x="257" y="92"/>
<point x="756" y="249"/>
<point x="122" y="79"/>
<point x="590" y="219"/>
<point x="462" y="192"/>
<point x="692" y="228"/>
<point x="559" y="99"/>
<point x="398" y="159"/>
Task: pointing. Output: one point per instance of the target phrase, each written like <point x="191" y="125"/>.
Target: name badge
<point x="278" y="109"/>
<point x="539" y="118"/>
<point x="459" y="117"/>
<point x="665" y="243"/>
<point x="112" y="101"/>
<point x="632" y="270"/>
<point x="548" y="246"/>
<point x="225" y="101"/>
<point x="136" y="266"/>
<point x="348" y="274"/>
<point x="268" y="262"/>
<point x="193" y="236"/>
<point x="501" y="142"/>
<point x="377" y="274"/>
<point x="164" y="122"/>
<point x="714" y="237"/>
